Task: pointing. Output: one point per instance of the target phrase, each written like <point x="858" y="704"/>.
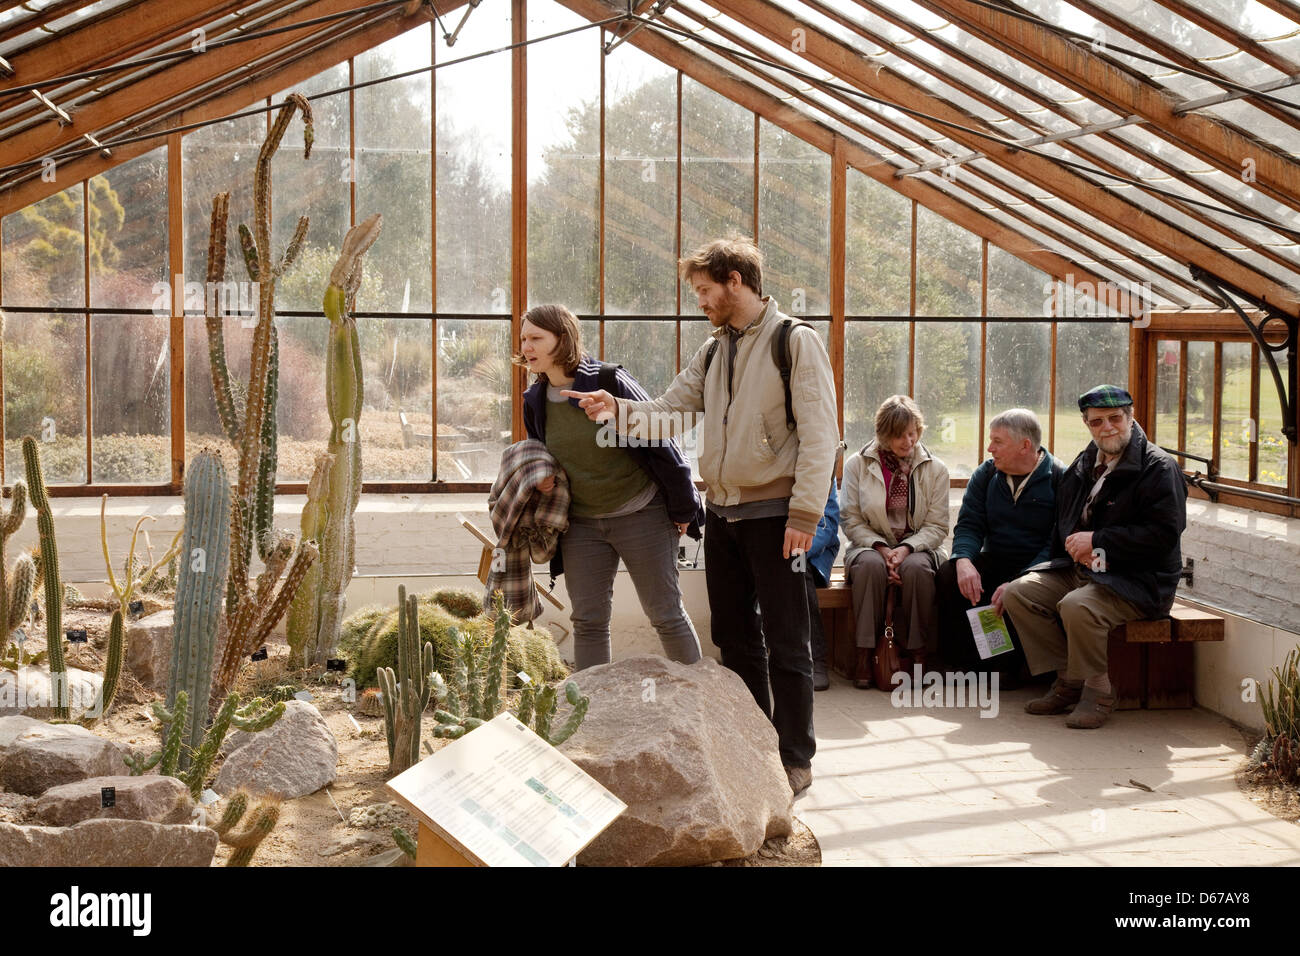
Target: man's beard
<point x="1116" y="444"/>
<point x="725" y="310"/>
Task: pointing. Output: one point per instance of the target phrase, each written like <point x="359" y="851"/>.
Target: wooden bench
<point x="1150" y="661"/>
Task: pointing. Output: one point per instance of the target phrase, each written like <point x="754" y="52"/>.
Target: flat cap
<point x="1105" y="396"/>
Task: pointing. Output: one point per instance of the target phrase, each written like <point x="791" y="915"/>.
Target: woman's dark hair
<point x="563" y="324"/>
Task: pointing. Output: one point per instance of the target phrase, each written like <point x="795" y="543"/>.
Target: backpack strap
<point x="607" y="376"/>
<point x="708" y="356"/>
<point x="781" y="356"/>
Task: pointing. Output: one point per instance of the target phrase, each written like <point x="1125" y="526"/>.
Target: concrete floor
<point x="914" y="786"/>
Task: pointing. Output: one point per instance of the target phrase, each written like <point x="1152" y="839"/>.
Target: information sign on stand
<point x="503" y="796"/>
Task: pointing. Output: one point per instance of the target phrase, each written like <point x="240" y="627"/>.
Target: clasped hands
<point x="894" y="558"/>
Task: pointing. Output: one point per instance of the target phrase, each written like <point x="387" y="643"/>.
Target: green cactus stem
<point x="407" y="691"/>
<point x="173" y="724"/>
<point x="253" y="717"/>
<point x="304" y="611"/>
<point x="16" y="583"/>
<point x="404" y="842"/>
<point x="537" y="710"/>
<point x="319" y="618"/>
<point x="59" y="693"/>
<point x="204" y="560"/>
<point x="262" y="820"/>
<point x="112" y="669"/>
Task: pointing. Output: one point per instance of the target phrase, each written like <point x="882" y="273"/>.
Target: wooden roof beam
<point x="241" y="95"/>
<point x="134" y="99"/>
<point x="816" y="134"/>
<point x="1078" y="67"/>
<point x="840" y="60"/>
<point x="1225" y="32"/>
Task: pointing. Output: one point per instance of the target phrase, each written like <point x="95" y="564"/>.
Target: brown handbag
<point x="885" y="661"/>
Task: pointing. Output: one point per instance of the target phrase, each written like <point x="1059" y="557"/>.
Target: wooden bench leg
<point x="1127" y="664"/>
<point x="841" y="647"/>
<point x="1170" y="676"/>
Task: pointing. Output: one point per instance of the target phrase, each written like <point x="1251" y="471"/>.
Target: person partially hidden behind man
<point x="1121" y="508"/>
<point x="1004" y="527"/>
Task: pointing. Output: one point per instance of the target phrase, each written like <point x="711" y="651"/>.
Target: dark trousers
<point x="816" y="632"/>
<point x="957" y="642"/>
<point x="743" y="564"/>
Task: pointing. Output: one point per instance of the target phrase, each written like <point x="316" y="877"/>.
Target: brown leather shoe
<point x="1092" y="710"/>
<point x="1061" y="698"/>
<point x="862" y="669"/>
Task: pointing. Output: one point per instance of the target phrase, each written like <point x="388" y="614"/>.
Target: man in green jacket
<point x="765" y="475"/>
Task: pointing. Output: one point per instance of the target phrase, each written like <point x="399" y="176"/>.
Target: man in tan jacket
<point x="766" y="469"/>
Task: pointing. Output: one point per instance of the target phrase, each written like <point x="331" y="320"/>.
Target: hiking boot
<point x="821" y="680"/>
<point x="1092" y="710"/>
<point x="1061" y="698"/>
<point x="800" y="778"/>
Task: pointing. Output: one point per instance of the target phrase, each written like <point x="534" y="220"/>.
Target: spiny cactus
<point x="1286" y="760"/>
<point x="16" y="583"/>
<point x="251" y="612"/>
<point x="193" y="766"/>
<point x="265" y="815"/>
<point x="406" y="693"/>
<point x="474" y="679"/>
<point x="204" y="554"/>
<point x="316" y="620"/>
<point x="1280" y="701"/>
<point x="404" y="842"/>
<point x="59" y="692"/>
<point x="537" y="710"/>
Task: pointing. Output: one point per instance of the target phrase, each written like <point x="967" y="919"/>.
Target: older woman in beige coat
<point x="894" y="512"/>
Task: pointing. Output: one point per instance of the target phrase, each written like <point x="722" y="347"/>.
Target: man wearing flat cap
<point x="1121" y="508"/>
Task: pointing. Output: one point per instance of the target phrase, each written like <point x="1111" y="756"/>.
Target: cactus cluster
<point x="406" y="692"/>
<point x="192" y="765"/>
<point x="475" y="693"/>
<point x="245" y="841"/>
<point x="18" y="582"/>
<point x="49" y="570"/>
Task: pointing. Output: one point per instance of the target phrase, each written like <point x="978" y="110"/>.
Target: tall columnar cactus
<point x="406" y="692"/>
<point x="16" y="583"/>
<point x="315" y="623"/>
<point x="59" y="692"/>
<point x="251" y="612"/>
<point x="204" y="561"/>
<point x="246" y="840"/>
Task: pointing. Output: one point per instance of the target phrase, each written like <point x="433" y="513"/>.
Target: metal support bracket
<point x="1286" y="391"/>
<point x="656" y="11"/>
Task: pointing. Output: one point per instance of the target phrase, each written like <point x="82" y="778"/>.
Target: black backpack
<point x="780" y="355"/>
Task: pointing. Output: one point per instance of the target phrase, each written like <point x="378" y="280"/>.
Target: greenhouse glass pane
<point x="128" y="217"/>
<point x="875" y="367"/>
<point x="878" y="248"/>
<point x="474" y="406"/>
<point x="397" y="371"/>
<point x="1236" y="427"/>
<point x="45" y="393"/>
<point x="130" y="403"/>
<point x="794" y="221"/>
<point x="44" y="253"/>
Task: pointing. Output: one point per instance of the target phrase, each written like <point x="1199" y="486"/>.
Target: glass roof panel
<point x="1251" y="18"/>
<point x="1247" y="117"/>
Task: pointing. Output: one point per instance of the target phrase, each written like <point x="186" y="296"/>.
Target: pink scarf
<point x="896" y="493"/>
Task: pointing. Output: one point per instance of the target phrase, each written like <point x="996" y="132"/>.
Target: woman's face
<point x="902" y="445"/>
<point x="538" y="347"/>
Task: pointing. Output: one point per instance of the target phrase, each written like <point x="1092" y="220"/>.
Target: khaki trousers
<point x="1064" y="621"/>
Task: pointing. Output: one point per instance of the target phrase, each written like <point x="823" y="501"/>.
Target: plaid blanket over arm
<point x="528" y="523"/>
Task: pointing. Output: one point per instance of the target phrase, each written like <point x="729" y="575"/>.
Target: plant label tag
<point x="354" y="723"/>
<point x="76" y="635"/>
<point x="20" y="637"/>
<point x="107" y="797"/>
<point x="304" y="695"/>
<point x="209" y="796"/>
<point x="336" y="664"/>
<point x="259" y="654"/>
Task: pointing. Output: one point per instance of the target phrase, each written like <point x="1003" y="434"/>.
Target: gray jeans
<point x="646" y="540"/>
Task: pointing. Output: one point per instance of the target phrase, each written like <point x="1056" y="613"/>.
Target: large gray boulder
<point x="27" y="691"/>
<point x="690" y="753"/>
<point x="295" y="756"/>
<point x="153" y="798"/>
<point x="36" y="758"/>
<point x="149" y="649"/>
<point x="107" y="843"/>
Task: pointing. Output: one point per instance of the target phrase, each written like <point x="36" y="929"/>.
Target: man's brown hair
<point x="721" y="257"/>
<point x="895" y="415"/>
<point x="563" y="324"/>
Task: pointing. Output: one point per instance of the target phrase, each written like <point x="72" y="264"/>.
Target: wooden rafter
<point x="51" y="13"/>
<point x="796" y="122"/>
<point x="242" y="92"/>
<point x="902" y="132"/>
<point x="164" y="85"/>
<point x="1076" y="66"/>
<point x="1107" y="206"/>
<point x="1078" y="147"/>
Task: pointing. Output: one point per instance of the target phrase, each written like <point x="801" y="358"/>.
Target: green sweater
<point x="601" y="480"/>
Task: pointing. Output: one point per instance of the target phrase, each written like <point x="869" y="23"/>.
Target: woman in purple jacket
<point x="628" y="502"/>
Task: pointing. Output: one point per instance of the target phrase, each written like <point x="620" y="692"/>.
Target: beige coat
<point x="746" y="451"/>
<point x="862" y="503"/>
